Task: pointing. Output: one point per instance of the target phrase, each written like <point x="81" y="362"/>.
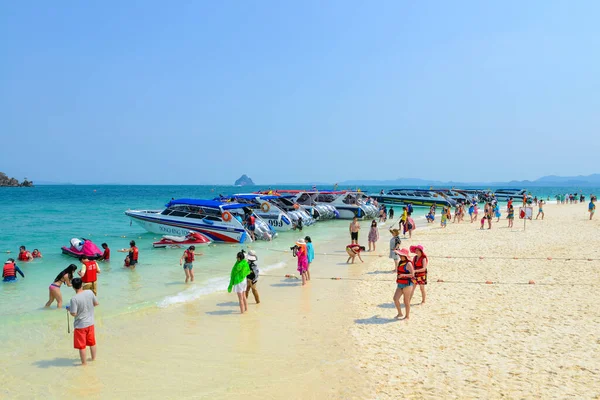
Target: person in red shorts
<point x="82" y="308"/>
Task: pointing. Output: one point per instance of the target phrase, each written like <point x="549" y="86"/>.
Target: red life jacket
<point x="24" y="256"/>
<point x="9" y="270"/>
<point x="418" y="263"/>
<point x="91" y="272"/>
<point x="135" y="253"/>
<point x="252" y="220"/>
<point x="402" y="269"/>
<point x="189" y="256"/>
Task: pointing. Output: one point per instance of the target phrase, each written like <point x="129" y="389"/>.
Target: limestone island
<point x="12" y="182"/>
<point x="244" y="181"/>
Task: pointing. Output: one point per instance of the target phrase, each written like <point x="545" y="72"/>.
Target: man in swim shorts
<point x="354" y="228"/>
<point x="189" y="256"/>
<point x="82" y="308"/>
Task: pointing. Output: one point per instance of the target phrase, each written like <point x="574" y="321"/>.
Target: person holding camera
<point x="302" y="255"/>
<point x="252" y="278"/>
<point x="82" y="308"/>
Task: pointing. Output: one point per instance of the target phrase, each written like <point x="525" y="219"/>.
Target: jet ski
<point x="192" y="238"/>
<point x="82" y="247"/>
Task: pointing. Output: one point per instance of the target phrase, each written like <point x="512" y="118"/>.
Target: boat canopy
<point x="205" y="203"/>
<point x="251" y="196"/>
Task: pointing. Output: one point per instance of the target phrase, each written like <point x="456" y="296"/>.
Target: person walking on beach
<point x="404" y="275"/>
<point x="189" y="256"/>
<point x="354" y="228"/>
<point x="444" y="218"/>
<point x="420" y="266"/>
<point x="540" y="209"/>
<point x="81" y="307"/>
<point x="252" y="277"/>
<point x="511" y="216"/>
<point x="310" y="255"/>
<point x="89" y="274"/>
<point x="106" y="253"/>
<point x="410" y="226"/>
<point x="592" y="206"/>
<point x="10" y="271"/>
<point x="353" y="251"/>
<point x="132" y="258"/>
<point x="489" y="214"/>
<point x="302" y="256"/>
<point x="24" y="255"/>
<point x="238" y="281"/>
<point x="65" y="276"/>
<point x="373" y="236"/>
<point x="497" y="212"/>
<point x="471" y="209"/>
<point x="395" y="245"/>
<point x="403" y="219"/>
<point x="391" y="213"/>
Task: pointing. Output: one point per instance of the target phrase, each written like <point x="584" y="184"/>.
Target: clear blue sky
<point x="202" y="91"/>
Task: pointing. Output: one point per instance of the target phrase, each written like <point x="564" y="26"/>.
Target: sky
<point x="200" y="92"/>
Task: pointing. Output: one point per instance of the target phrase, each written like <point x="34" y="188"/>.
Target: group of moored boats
<point x="225" y="219"/>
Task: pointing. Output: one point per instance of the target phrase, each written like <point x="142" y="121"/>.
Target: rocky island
<point x="244" y="181"/>
<point x="6" y="181"/>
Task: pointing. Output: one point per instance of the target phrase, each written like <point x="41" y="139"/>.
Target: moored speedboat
<point x="219" y="221"/>
<point x="505" y="194"/>
<point x="347" y="204"/>
<point x="417" y="197"/>
<point x="268" y="212"/>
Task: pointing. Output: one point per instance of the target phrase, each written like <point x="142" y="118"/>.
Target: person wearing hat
<point x="404" y="275"/>
<point x="189" y="256"/>
<point x="252" y="277"/>
<point x="420" y="262"/>
<point x="395" y="245"/>
<point x="302" y="255"/>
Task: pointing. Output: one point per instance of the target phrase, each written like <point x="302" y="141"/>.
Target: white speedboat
<point x="347" y="204"/>
<point x="505" y="194"/>
<point x="270" y="213"/>
<point x="219" y="221"/>
<point x="416" y="197"/>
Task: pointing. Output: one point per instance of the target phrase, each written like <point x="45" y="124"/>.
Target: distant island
<point x="13" y="182"/>
<point x="244" y="181"/>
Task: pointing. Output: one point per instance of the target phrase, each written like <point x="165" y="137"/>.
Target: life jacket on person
<point x="188" y="256"/>
<point x="9" y="270"/>
<point x="252" y="220"/>
<point x="91" y="272"/>
<point x="402" y="269"/>
<point x="418" y="263"/>
<point x="134" y="253"/>
<point x="24" y="256"/>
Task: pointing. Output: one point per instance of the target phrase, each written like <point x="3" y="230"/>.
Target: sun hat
<point x="251" y="256"/>
<point x="415" y="248"/>
<point x="300" y="242"/>
<point x="395" y="231"/>
<point x="402" y="252"/>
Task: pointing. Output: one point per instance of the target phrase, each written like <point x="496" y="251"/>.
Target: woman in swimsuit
<point x="404" y="276"/>
<point x="65" y="276"/>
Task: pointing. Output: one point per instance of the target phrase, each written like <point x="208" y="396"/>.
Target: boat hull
<point x="163" y="226"/>
<point x="398" y="200"/>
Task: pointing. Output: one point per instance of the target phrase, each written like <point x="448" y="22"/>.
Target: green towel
<point x="239" y="272"/>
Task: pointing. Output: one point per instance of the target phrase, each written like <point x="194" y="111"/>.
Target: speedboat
<point x="219" y="221"/>
<point x="308" y="201"/>
<point x="293" y="209"/>
<point x="82" y="247"/>
<point x="268" y="212"/>
<point x="347" y="204"/>
<point x="192" y="238"/>
<point x="455" y="195"/>
<point x="417" y="197"/>
<point x="505" y="194"/>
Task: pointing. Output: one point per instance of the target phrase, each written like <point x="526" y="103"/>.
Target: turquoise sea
<point x="47" y="217"/>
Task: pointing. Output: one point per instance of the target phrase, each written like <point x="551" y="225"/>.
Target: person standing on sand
<point x="82" y="308"/>
<point x="592" y="206"/>
<point x="252" y="278"/>
<point x="471" y="209"/>
<point x="540" y="209"/>
<point x="404" y="275"/>
<point x="354" y="228"/>
<point x="391" y="213"/>
<point x="373" y="236"/>
<point x="310" y="255"/>
<point x="65" y="276"/>
<point x="189" y="256"/>
<point x="497" y="211"/>
<point x="420" y="267"/>
<point x="444" y="218"/>
<point x="237" y="281"/>
<point x="395" y="245"/>
<point x="302" y="255"/>
<point x="511" y="216"/>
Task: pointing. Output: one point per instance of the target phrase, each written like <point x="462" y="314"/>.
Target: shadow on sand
<point x="286" y="284"/>
<point x="222" y="312"/>
<point x="380" y="272"/>
<point x="375" y="320"/>
<point x="229" y="304"/>
<point x="56" y="362"/>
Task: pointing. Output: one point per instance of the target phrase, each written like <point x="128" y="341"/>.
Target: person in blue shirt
<point x="310" y="253"/>
<point x="9" y="273"/>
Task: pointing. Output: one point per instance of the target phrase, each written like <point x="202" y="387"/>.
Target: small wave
<point x="211" y="286"/>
